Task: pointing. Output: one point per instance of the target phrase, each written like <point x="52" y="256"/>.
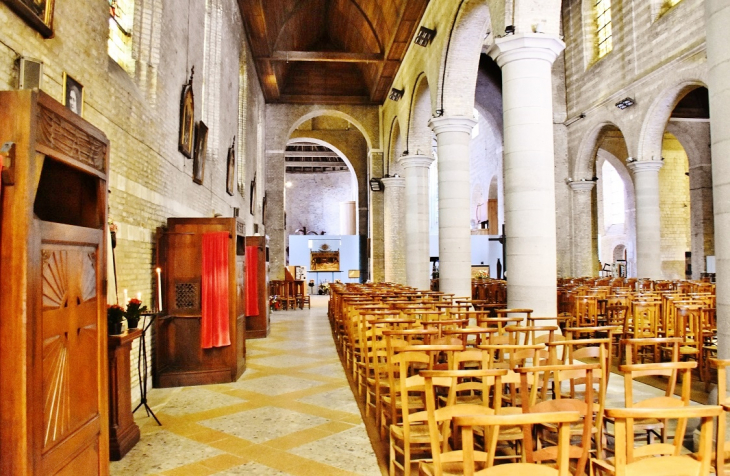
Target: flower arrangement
<point x="114" y="318"/>
<point x="482" y="274"/>
<point x="134" y="312"/>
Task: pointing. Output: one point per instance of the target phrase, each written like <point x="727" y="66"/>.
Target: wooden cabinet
<point x="53" y="336"/>
<point x="180" y="358"/>
<point x="123" y="431"/>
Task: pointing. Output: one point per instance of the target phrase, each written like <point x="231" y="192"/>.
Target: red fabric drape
<point x="214" y="323"/>
<point x="252" y="282"/>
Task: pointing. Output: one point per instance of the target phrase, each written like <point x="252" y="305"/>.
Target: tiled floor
<point x="292" y="413"/>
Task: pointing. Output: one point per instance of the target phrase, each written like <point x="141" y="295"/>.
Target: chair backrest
<point x="663" y="459"/>
<point x="665" y="369"/>
<point x="526" y="420"/>
<point x="645" y="319"/>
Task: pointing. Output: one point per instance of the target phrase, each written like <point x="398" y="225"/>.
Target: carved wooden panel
<point x="70" y="340"/>
<point x="59" y="134"/>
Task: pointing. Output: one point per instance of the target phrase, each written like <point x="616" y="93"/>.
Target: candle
<point x="159" y="289"/>
<point x="126" y="297"/>
<point x="139" y="297"/>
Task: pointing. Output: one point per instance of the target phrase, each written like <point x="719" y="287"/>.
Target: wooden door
<point x="68" y="371"/>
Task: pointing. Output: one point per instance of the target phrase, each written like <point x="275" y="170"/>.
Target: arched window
<point x="604" y="33"/>
<point x="121" y="21"/>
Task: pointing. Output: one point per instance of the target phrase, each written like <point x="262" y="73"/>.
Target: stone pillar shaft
<point x="275" y="207"/>
<point x="529" y="169"/>
<point x="717" y="16"/>
<point x="582" y="228"/>
<point x="394" y="240"/>
<point x="418" y="268"/>
<point x="648" y="219"/>
<point x="375" y="222"/>
<point x="453" y="136"/>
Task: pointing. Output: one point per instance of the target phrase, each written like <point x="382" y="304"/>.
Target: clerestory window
<point x="121" y="21"/>
<point x="604" y="34"/>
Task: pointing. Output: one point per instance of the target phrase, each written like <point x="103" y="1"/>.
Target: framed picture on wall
<point x="187" y="118"/>
<point x="201" y="144"/>
<point x="37" y="13"/>
<point x="231" y="167"/>
<point x="73" y="95"/>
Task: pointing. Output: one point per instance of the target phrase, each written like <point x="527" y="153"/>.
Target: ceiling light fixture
<point x="424" y="36"/>
<point x="395" y="94"/>
<point x="624" y="103"/>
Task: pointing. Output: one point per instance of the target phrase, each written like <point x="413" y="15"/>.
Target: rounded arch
<point x="419" y="134"/>
<point x="335" y="113"/>
<point x="584" y="167"/>
<point x="619" y="252"/>
<point x="460" y="59"/>
<point x="493" y="189"/>
<point x="353" y="174"/>
<point x="657" y="117"/>
<point x="395" y="148"/>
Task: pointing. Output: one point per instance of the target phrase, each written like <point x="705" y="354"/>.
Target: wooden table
<point x="123" y="431"/>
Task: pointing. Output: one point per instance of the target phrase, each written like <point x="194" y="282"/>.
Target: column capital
<point x="451" y="124"/>
<point x="521" y="46"/>
<point x="646" y="166"/>
<point x="410" y="161"/>
<point x="582" y="185"/>
<point x="394" y="182"/>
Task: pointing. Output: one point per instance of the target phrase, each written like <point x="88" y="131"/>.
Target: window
<point x="614" y="205"/>
<point x="603" y="27"/>
<point x="119" y="45"/>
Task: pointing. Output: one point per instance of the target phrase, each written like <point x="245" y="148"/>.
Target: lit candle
<point x="126" y="297"/>
<point x="139" y="297"/>
<point x="159" y="289"/>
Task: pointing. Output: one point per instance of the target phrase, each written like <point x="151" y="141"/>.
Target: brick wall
<point x="149" y="179"/>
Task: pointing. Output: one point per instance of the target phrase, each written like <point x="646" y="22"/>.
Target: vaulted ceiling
<point x="329" y="51"/>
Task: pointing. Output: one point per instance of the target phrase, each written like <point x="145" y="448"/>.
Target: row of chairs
<point x="389" y="351"/>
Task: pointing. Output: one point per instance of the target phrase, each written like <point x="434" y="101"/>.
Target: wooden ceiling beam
<point x="310" y="153"/>
<point x="326" y="56"/>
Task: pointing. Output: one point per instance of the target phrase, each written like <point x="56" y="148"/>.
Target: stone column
<point x="526" y="60"/>
<point x="275" y="207"/>
<point x="648" y="219"/>
<point x="394" y="240"/>
<point x="453" y="136"/>
<point x="418" y="263"/>
<point x="717" y="16"/>
<point x="582" y="228"/>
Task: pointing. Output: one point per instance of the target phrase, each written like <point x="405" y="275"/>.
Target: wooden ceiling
<point x="329" y="51"/>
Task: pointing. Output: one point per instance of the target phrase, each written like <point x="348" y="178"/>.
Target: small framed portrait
<point x="73" y="95"/>
<point x="201" y="145"/>
<point x="231" y="167"/>
<point x="37" y="13"/>
<point x="187" y="119"/>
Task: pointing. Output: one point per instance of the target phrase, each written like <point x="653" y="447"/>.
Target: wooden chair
<point x="661" y="459"/>
<point x="445" y="458"/>
<point x="588" y="427"/>
<point x="722" y="448"/>
<point x="493" y="424"/>
<point x="643" y="322"/>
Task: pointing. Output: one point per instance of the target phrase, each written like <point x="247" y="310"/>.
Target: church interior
<point x="292" y="210"/>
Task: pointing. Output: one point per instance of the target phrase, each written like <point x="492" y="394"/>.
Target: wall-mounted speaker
<point x="30" y="73"/>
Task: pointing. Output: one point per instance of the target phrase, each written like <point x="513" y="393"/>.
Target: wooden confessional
<point x="53" y="332"/>
<point x="180" y="358"/>
<point x="258" y="325"/>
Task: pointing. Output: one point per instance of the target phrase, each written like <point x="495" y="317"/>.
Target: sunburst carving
<point x="56" y="390"/>
<point x="55" y="279"/>
<point x="88" y="277"/>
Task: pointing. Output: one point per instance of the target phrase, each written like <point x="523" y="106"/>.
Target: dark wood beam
<point x="326" y="56"/>
<point x="310" y="153"/>
<point x="321" y="99"/>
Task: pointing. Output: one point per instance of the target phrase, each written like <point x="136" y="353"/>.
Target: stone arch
<point x="396" y="146"/>
<point x="353" y="175"/>
<point x="334" y="113"/>
<point x="584" y="167"/>
<point x="619" y="251"/>
<point x="629" y="206"/>
<point x="460" y="59"/>
<point x="420" y="136"/>
<point x="493" y="189"/>
<point x="657" y="116"/>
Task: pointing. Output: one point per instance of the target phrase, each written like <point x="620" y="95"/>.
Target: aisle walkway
<point x="292" y="413"/>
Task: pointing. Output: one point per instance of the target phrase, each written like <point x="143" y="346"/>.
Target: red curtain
<point x="252" y="282"/>
<point x="214" y="322"/>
